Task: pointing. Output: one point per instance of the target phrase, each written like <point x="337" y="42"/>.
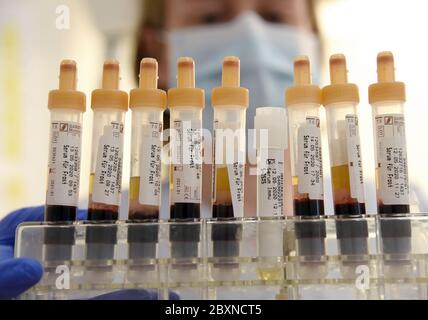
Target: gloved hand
<point x="18" y="275"/>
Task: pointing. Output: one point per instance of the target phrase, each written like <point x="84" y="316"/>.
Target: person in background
<point x="265" y="34"/>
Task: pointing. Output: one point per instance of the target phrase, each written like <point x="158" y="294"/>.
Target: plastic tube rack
<point x="370" y="257"/>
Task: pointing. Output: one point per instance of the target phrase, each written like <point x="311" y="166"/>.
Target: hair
<point x="153" y="14"/>
<point x="154" y="17"/>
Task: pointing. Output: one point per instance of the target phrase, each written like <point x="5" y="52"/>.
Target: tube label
<point x="108" y="169"/>
<point x="355" y="165"/>
<point x="64" y="164"/>
<point x="270" y="188"/>
<point x="392" y="159"/>
<point x="227" y="145"/>
<point x="310" y="159"/>
<point x="235" y="172"/>
<point x="187" y="162"/>
<point x="150" y="164"/>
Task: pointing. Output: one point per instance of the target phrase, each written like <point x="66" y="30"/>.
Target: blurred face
<point x="188" y="13"/>
<point x="181" y="14"/>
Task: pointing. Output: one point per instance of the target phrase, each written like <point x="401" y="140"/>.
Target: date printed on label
<point x="271" y="184"/>
<point x="64" y="164"/>
<point x="187" y="162"/>
<point x="392" y="159"/>
<point x="310" y="159"/>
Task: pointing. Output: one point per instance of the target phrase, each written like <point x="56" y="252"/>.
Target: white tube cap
<point x="275" y="121"/>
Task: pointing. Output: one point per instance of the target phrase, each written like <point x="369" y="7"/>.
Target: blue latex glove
<point x="18" y="275"/>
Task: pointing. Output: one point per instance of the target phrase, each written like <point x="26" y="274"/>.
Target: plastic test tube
<point x="66" y="107"/>
<point x="270" y="180"/>
<point x="303" y="100"/>
<point x="271" y="124"/>
<point x="230" y="102"/>
<point x="109" y="105"/>
<point x="387" y="98"/>
<point x="340" y="99"/>
<point x="186" y="104"/>
<point x="148" y="104"/>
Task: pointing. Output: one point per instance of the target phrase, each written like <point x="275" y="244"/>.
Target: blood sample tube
<point x="66" y="107"/>
<point x="109" y="105"/>
<point x="387" y="98"/>
<point x="303" y="100"/>
<point x="230" y="102"/>
<point x="186" y="103"/>
<point x="340" y="99"/>
<point x="147" y="104"/>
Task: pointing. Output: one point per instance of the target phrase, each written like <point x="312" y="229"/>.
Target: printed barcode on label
<point x="187" y="162"/>
<point x="392" y="159"/>
<point x="64" y="164"/>
<point x="271" y="184"/>
<point x="310" y="159"/>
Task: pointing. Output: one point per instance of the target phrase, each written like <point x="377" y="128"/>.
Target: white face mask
<point x="266" y="51"/>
